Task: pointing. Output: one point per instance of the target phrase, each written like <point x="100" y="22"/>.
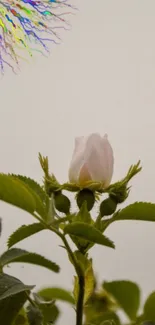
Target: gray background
<point x="102" y="79"/>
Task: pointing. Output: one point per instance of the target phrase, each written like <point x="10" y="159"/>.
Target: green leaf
<point x="14" y="255"/>
<point x="98" y="305"/>
<point x="80" y="243"/>
<point x="56" y="294"/>
<point x="41" y="199"/>
<point x="49" y="310"/>
<point x="10" y="286"/>
<point x="133" y="170"/>
<point x="106" y="318"/>
<point x="83" y="260"/>
<point x="50" y="313"/>
<point x="43" y="314"/>
<point x="23" y="232"/>
<point x="34" y="315"/>
<point x="13" y="295"/>
<point x="13" y="191"/>
<point x="21" y="318"/>
<point x="86" y="265"/>
<point x="143" y="211"/>
<point x="76" y="288"/>
<point x="126" y="294"/>
<point x="89" y="282"/>
<point x="71" y="187"/>
<point x="88" y="232"/>
<point x="83" y="215"/>
<point x="34" y="186"/>
<point x="149" y="308"/>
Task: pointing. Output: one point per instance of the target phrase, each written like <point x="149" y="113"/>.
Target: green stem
<point x="108" y="222"/>
<point x="32" y="302"/>
<point x="58" y="233"/>
<point x="79" y="309"/>
<point x="103" y="224"/>
<point x="81" y="280"/>
<point x="78" y="269"/>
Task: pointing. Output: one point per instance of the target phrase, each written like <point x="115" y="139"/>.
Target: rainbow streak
<point x="22" y="22"/>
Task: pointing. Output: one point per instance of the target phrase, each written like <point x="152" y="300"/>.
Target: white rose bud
<point x="92" y="160"/>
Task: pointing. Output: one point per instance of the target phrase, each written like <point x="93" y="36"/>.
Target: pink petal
<point x="77" y="159"/>
<point x="94" y="157"/>
<point x="84" y="175"/>
<point x="109" y="158"/>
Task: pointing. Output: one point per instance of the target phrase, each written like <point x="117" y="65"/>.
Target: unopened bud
<point x="120" y="195"/>
<point x="108" y="207"/>
<point x="62" y="202"/>
<point x="86" y="195"/>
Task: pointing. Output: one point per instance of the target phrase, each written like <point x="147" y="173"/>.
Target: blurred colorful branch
<point x="30" y="25"/>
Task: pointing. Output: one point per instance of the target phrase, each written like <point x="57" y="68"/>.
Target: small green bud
<point x="34" y="315"/>
<point x="62" y="202"/>
<point x="86" y="195"/>
<point x="51" y="184"/>
<point x="108" y="207"/>
<point x="120" y="195"/>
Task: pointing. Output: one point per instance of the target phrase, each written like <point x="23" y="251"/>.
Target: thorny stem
<point x="78" y="269"/>
<point x="79" y="309"/>
<point x="81" y="279"/>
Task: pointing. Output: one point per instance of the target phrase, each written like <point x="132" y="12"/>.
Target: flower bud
<point x="85" y="195"/>
<point x="108" y="207"/>
<point x="92" y="160"/>
<point x="62" y="202"/>
<point x="120" y="194"/>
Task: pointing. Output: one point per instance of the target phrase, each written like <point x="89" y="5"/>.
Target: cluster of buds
<point x="90" y="175"/>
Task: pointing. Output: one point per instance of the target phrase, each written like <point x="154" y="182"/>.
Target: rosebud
<point x="92" y="160"/>
<point x="120" y="194"/>
<point x="108" y="207"/>
<point x="85" y="195"/>
<point x="62" y="202"/>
